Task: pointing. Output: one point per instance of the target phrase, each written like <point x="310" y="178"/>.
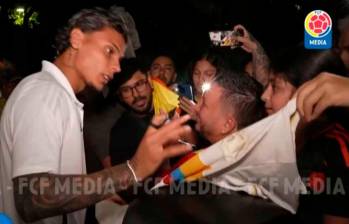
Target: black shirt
<point x="126" y="135"/>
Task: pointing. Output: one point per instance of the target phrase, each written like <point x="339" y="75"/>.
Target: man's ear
<point x="76" y="38"/>
<point x="230" y="125"/>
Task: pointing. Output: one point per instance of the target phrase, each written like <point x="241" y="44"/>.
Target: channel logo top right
<point x="318" y="30"/>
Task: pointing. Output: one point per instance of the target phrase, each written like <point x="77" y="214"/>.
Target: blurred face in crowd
<point x="203" y="71"/>
<point x="137" y="93"/>
<point x="96" y="57"/>
<point x="164" y="69"/>
<point x="213" y="119"/>
<point x="277" y="94"/>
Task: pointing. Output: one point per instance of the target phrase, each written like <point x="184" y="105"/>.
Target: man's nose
<point x="161" y="71"/>
<point x="115" y="67"/>
<point x="267" y="93"/>
<point x="135" y="93"/>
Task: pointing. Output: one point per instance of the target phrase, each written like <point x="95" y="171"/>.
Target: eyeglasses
<point x="127" y="91"/>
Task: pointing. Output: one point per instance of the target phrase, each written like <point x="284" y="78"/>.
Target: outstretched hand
<point x="160" y="144"/>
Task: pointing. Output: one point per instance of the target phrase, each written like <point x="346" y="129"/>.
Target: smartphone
<point x="225" y="38"/>
<point x="184" y="90"/>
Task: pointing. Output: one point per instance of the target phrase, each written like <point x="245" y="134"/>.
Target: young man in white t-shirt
<point x="42" y="161"/>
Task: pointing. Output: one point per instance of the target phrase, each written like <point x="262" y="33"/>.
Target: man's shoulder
<point x="42" y="80"/>
<point x="128" y="117"/>
<point x="40" y="84"/>
<point x="38" y="92"/>
<point x="125" y="118"/>
<point x="129" y="125"/>
<point x="127" y="121"/>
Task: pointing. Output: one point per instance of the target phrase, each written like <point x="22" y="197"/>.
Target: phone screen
<point x="185" y="90"/>
<point x="224" y="38"/>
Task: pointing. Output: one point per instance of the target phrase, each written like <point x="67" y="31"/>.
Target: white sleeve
<point x="37" y="136"/>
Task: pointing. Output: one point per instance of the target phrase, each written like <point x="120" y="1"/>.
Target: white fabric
<point x="41" y="131"/>
<point x="108" y="212"/>
<point x="261" y="160"/>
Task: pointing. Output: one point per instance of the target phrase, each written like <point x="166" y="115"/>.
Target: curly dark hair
<point x="89" y="20"/>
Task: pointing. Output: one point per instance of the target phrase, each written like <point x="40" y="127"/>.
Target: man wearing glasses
<point x="135" y="94"/>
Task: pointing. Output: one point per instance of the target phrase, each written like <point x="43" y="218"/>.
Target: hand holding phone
<point x="226" y="38"/>
<point x="188" y="106"/>
<point x="248" y="43"/>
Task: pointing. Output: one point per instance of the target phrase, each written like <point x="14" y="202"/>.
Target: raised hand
<point x="260" y="60"/>
<point x="324" y="91"/>
<point x="160" y="144"/>
<point x="188" y="106"/>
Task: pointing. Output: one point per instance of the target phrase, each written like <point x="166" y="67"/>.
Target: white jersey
<point x="41" y="132"/>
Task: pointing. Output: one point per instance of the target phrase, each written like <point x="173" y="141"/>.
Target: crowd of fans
<point x="123" y="139"/>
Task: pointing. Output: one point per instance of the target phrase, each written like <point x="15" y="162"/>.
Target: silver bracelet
<point x="132" y="171"/>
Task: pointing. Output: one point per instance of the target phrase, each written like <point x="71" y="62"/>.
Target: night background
<point x="177" y="27"/>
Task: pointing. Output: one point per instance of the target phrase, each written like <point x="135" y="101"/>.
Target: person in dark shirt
<point x="126" y="135"/>
<point x="135" y="94"/>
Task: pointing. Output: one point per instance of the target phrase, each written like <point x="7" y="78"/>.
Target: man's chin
<point x="140" y="110"/>
<point x="98" y="88"/>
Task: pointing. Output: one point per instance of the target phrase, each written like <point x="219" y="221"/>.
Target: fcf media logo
<point x="318" y="30"/>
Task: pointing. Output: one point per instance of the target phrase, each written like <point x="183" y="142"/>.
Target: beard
<point x="141" y="111"/>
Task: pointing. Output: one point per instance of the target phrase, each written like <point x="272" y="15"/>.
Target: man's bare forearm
<point x="260" y="63"/>
<point x="42" y="195"/>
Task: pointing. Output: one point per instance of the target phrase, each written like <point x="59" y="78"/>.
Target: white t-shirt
<point x="41" y="132"/>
